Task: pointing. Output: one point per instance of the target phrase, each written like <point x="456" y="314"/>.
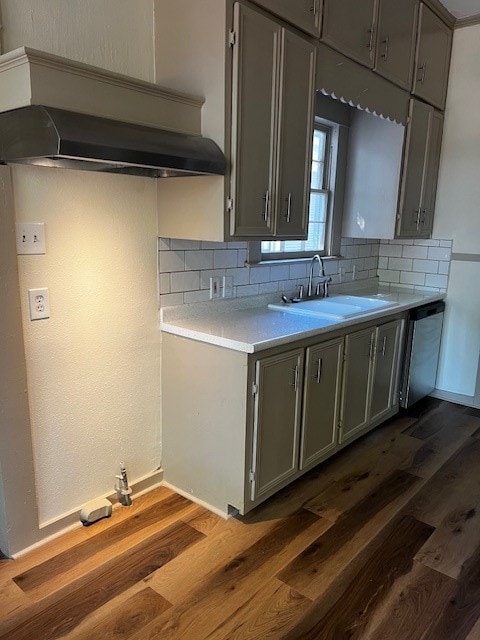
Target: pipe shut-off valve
<point x="122" y="488"/>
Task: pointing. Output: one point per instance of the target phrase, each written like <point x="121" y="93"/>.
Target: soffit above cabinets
<point x="350" y="82"/>
<point x="30" y="77"/>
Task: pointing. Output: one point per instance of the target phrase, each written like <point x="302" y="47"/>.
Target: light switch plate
<point x="30" y="238"/>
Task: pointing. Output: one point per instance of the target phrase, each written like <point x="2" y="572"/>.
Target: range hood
<point x="47" y="136"/>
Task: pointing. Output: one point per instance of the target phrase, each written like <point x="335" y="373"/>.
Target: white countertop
<point x="256" y="328"/>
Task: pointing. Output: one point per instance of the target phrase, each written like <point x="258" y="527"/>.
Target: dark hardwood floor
<point x="382" y="542"/>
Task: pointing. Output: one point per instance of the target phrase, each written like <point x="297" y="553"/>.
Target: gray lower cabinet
<point x="370" y="378"/>
<point x="277" y="419"/>
<point x="419" y="172"/>
<point x="432" y="61"/>
<point x="385" y="372"/>
<point x="321" y="402"/>
<point x="238" y="427"/>
<point x="357" y="374"/>
<point x="304" y="14"/>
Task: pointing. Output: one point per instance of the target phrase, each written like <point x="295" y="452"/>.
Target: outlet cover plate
<point x="38" y="304"/>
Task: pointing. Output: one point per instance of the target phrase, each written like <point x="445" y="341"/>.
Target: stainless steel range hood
<point x="54" y="137"/>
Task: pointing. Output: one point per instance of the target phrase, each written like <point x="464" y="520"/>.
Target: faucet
<point x="316" y="258"/>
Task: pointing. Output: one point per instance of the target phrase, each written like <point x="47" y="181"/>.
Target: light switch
<point x="30" y="238"/>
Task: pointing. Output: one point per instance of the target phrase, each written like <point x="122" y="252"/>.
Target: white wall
<point x="113" y="34"/>
<point x="457" y="215"/>
<point x="93" y="367"/>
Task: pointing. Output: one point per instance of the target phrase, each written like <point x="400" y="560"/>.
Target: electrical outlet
<point x="228" y="286"/>
<point x="215" y="287"/>
<point x="30" y="238"/>
<point x="38" y="304"/>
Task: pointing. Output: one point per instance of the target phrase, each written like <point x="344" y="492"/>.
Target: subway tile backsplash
<point x="421" y="264"/>
<point x="186" y="266"/>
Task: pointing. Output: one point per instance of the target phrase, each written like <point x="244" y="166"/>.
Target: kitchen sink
<point x="336" y="306"/>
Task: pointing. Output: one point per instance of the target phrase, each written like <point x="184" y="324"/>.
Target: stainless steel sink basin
<point x="336" y="306"/>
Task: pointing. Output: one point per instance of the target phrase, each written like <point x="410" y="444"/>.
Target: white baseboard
<point x="69" y="521"/>
<point x="457" y="398"/>
<point x="198" y="501"/>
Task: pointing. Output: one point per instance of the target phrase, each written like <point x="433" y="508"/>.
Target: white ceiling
<point x="462" y="8"/>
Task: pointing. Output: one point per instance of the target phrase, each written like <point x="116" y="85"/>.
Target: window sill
<point x="270" y="263"/>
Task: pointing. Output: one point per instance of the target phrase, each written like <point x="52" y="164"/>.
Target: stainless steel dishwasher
<point x="422" y="347"/>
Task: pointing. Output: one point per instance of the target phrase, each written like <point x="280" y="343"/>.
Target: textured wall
<point x="114" y="34"/>
<point x="94" y="365"/>
<point x="457" y="215"/>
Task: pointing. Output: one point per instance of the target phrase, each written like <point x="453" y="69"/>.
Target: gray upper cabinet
<point x="349" y="27"/>
<point x="420" y="172"/>
<point x="272" y="124"/>
<point x="432" y="60"/>
<point x="304" y="14"/>
<point x="395" y="40"/>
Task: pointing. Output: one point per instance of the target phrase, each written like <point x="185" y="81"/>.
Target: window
<point x="320" y="227"/>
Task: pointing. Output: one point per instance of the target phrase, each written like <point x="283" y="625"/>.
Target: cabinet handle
<point x="288" y="213"/>
<point x="417" y="220"/>
<point x="384" y="345"/>
<point x="370" y="32"/>
<point x="318" y="374"/>
<point x="370" y="350"/>
<point x="294" y="384"/>
<point x="314" y="7"/>
<point x="421" y="73"/>
<point x="385" y="48"/>
<point x="266" y="208"/>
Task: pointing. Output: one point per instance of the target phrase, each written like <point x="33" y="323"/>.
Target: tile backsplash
<point x="421" y="264"/>
<point x="186" y="266"/>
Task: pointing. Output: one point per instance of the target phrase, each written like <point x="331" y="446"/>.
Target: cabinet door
<point x="413" y="172"/>
<point x="276" y="421"/>
<point x="396" y="31"/>
<point x="433" y="58"/>
<point x="431" y="172"/>
<point x="348" y="26"/>
<point x="304" y="14"/>
<point x="295" y="136"/>
<point x="356" y="383"/>
<point x="256" y="56"/>
<point x="384" y="379"/>
<point x="321" y="402"/>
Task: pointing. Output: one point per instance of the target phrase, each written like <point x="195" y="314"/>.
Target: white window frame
<point x="334" y="181"/>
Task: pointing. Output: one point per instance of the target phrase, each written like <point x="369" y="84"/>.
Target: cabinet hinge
<point x="229" y="204"/>
<point x="339" y="425"/>
<point x="232" y="38"/>
<point x="254" y="389"/>
<point x="251" y="476"/>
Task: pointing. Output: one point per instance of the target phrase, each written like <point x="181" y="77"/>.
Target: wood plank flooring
<point x="382" y="542"/>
